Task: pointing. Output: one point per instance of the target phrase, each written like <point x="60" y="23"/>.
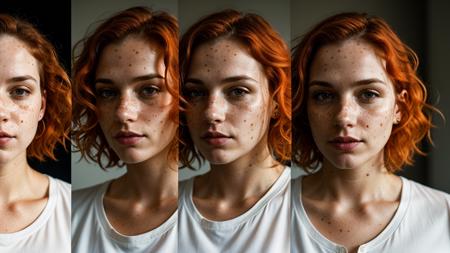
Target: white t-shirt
<point x="92" y="232"/>
<point x="50" y="232"/>
<point x="262" y="228"/>
<point x="421" y="224"/>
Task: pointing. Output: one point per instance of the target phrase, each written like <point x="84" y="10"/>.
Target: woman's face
<point x="133" y="103"/>
<point x="229" y="111"/>
<point x="351" y="105"/>
<point x="22" y="104"/>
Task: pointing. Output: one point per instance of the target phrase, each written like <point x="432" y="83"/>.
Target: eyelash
<point x="24" y="92"/>
<point x="322" y="97"/>
<point x="234" y="93"/>
<point x="145" y="92"/>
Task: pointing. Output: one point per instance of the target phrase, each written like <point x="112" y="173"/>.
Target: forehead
<point x="15" y="58"/>
<point x="348" y="61"/>
<point x="222" y="58"/>
<point x="132" y="54"/>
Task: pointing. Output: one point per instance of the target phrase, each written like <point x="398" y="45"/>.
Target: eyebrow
<point x="135" y="79"/>
<point x="357" y="83"/>
<point x="230" y="79"/>
<point x="17" y="79"/>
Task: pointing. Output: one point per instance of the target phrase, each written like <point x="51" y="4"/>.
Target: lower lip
<point x="4" y="140"/>
<point x="219" y="141"/>
<point x="131" y="140"/>
<point x="345" y="146"/>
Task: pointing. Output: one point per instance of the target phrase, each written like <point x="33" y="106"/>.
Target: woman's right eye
<point x="322" y="96"/>
<point x="194" y="93"/>
<point x="105" y="93"/>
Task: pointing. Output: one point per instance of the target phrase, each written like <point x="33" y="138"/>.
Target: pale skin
<point x="23" y="191"/>
<point x="132" y="98"/>
<point x="353" y="197"/>
<point x="229" y="94"/>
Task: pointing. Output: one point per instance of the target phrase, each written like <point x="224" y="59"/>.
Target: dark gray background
<point x="423" y="26"/>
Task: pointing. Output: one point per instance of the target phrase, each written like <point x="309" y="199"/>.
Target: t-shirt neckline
<point x="325" y="242"/>
<point x="39" y="222"/>
<point x="275" y="189"/>
<point x="140" y="239"/>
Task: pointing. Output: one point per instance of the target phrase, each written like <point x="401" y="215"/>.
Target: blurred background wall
<point x="86" y="15"/>
<point x="423" y="26"/>
<point x="275" y="12"/>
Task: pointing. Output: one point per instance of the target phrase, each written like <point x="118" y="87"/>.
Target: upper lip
<point x="5" y="134"/>
<point x="124" y="134"/>
<point x="214" y="134"/>
<point x="344" y="139"/>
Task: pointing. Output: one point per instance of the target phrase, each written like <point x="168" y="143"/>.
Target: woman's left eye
<point x="149" y="91"/>
<point x="238" y="92"/>
<point x="369" y="95"/>
<point x="20" y="92"/>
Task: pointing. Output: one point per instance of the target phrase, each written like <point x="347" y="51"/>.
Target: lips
<point x="215" y="138"/>
<point x="5" y="138"/>
<point x="345" y="143"/>
<point x="128" y="137"/>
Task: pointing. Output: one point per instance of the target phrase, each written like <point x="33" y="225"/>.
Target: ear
<point x="401" y="97"/>
<point x="43" y="105"/>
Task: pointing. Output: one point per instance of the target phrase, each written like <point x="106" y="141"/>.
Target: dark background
<point x="52" y="19"/>
<point x="425" y="27"/>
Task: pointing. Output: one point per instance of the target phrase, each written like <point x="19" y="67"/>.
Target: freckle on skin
<point x="340" y="230"/>
<point x="129" y="65"/>
<point x="367" y="126"/>
<point x="367" y="174"/>
<point x="329" y="223"/>
<point x="381" y="124"/>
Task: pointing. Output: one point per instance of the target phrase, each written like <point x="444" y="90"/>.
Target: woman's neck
<point x="353" y="186"/>
<point x="18" y="180"/>
<point x="149" y="181"/>
<point x="247" y="176"/>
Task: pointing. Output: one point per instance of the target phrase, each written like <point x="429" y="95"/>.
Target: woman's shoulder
<point x="428" y="197"/>
<point x="87" y="195"/>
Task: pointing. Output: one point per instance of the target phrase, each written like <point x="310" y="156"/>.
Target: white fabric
<point x="50" y="232"/>
<point x="420" y="224"/>
<point x="92" y="232"/>
<point x="262" y="228"/>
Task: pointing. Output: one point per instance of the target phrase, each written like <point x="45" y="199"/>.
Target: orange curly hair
<point x="54" y="128"/>
<point x="401" y="67"/>
<point x="268" y="48"/>
<point x="159" y="27"/>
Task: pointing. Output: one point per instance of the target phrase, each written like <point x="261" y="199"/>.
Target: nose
<point x="5" y="108"/>
<point x="215" y="111"/>
<point x="346" y="114"/>
<point x="127" y="109"/>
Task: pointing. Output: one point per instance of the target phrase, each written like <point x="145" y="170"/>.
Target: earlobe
<point x="43" y="105"/>
<point x="401" y="98"/>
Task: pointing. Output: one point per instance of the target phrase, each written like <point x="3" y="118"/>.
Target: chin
<point x="132" y="157"/>
<point x="343" y="162"/>
<point x="218" y="158"/>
